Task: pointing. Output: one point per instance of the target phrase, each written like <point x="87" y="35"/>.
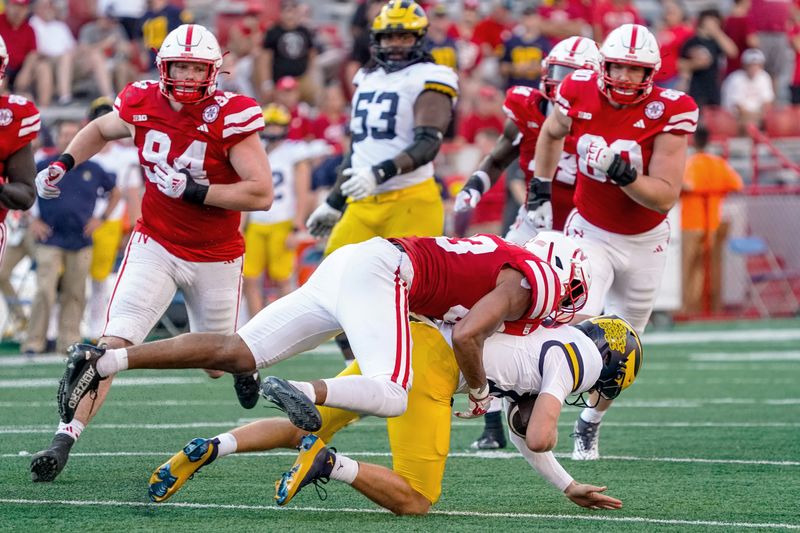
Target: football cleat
<point x="313" y="465"/>
<point x="247" y="389"/>
<point x="587" y="441"/>
<point x="489" y="440"/>
<point x="80" y="378"/>
<point x="298" y="407"/>
<point x="168" y="478"/>
<point x="47" y="464"/>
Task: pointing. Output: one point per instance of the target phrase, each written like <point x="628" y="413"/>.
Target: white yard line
<point x="119" y="382"/>
<point x="732" y="357"/>
<point x="476" y="514"/>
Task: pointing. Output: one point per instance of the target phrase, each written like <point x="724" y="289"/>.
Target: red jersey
<point x="527" y="108"/>
<point x="199" y="138"/>
<point x="451" y="275"/>
<point x="19" y="125"/>
<point x="629" y="131"/>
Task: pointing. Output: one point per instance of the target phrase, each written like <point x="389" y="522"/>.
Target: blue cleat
<point x="314" y="465"/>
<point x="171" y="476"/>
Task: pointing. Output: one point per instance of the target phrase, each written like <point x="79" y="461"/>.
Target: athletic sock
<point x="592" y="416"/>
<point x="73" y="429"/>
<point x="344" y="469"/>
<point x="306" y="388"/>
<point x="226" y="444"/>
<point x="112" y="361"/>
<point x="493" y="422"/>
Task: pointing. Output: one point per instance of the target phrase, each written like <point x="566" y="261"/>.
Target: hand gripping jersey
<point x="451" y="275"/>
<point x="19" y="125"/>
<point x="282" y="160"/>
<point x="199" y="138"/>
<point x="629" y="131"/>
<point x="382" y="120"/>
<point x="527" y="108"/>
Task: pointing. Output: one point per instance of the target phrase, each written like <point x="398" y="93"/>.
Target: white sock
<point x="227" y="444"/>
<point x="306" y="388"/>
<point x="345" y="469"/>
<point x="112" y="361"/>
<point x="73" y="429"/>
<point x="591" y="415"/>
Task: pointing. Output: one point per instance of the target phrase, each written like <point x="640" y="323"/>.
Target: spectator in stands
<point x="19" y="244"/>
<point x="360" y="53"/>
<point x="736" y="27"/>
<point x="287" y="94"/>
<point x="492" y="29"/>
<point x="332" y="121"/>
<point x="562" y="19"/>
<point x="462" y="29"/>
<point x="244" y="45"/>
<point x="440" y="44"/>
<point x="104" y="46"/>
<point x="57" y="48"/>
<point x="701" y="58"/>
<point x="675" y="31"/>
<point x="707" y="180"/>
<point x="127" y="12"/>
<point x="523" y="51"/>
<point x="794" y="34"/>
<point x="747" y="93"/>
<point x="770" y="21"/>
<point x="611" y="14"/>
<point x="160" y="18"/>
<point x="20" y="40"/>
<point x="288" y="50"/>
<point x="64" y="234"/>
<point x="487" y="115"/>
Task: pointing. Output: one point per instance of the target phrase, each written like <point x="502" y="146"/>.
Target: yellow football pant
<point x="420" y="438"/>
<point x="105" y="245"/>
<point x="414" y="211"/>
<point x="265" y="250"/>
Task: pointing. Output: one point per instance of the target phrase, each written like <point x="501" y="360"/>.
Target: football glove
<point x="322" y="220"/>
<point x="477" y="404"/>
<point x="362" y="183"/>
<point x="171" y="182"/>
<point x="606" y="160"/>
<point x="539" y="206"/>
<point x="48" y="178"/>
<point x="468" y="198"/>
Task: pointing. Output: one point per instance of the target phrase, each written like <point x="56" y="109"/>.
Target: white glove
<point x="542" y="216"/>
<point x="467" y="199"/>
<point x="322" y="220"/>
<point x="600" y="156"/>
<point x="170" y="181"/>
<point x="362" y="182"/>
<point x="48" y="178"/>
<point x="478" y="403"/>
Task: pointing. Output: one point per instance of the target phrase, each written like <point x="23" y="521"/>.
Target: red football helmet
<point x="630" y="44"/>
<point x="189" y="43"/>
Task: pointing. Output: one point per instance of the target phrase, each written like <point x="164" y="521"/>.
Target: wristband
<point x="67" y="160"/>
<point x="194" y="193"/>
<point x="336" y="199"/>
<point x="479" y="181"/>
<point x="385" y="170"/>
<point x="479" y="393"/>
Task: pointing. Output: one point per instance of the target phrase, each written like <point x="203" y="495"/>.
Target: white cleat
<point x="587" y="437"/>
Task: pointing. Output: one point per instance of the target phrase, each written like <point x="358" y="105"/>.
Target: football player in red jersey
<point x="201" y="154"/>
<point x="19" y="125"/>
<point x="482" y="284"/>
<point x="631" y="144"/>
<point x="526" y="109"/>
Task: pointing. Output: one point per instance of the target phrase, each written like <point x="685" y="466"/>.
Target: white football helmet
<point x="572" y="267"/>
<point x="567" y="56"/>
<point x="195" y="44"/>
<point x="3" y="58"/>
<point x="630" y="44"/>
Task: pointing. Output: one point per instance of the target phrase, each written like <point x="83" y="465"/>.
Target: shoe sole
<point x="163" y="475"/>
<point x="44" y="468"/>
<point x="247" y="399"/>
<point x="284" y="493"/>
<point x="301" y="412"/>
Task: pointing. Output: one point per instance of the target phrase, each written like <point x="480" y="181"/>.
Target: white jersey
<point x="284" y="203"/>
<point x="559" y="361"/>
<point x="122" y="160"/>
<point x="382" y="120"/>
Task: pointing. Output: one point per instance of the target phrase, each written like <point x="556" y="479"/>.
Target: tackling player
<point x="526" y="109"/>
<point x="203" y="162"/>
<point x="19" y="125"/>
<point x="631" y="144"/>
<point x="602" y="354"/>
<point x="482" y="284"/>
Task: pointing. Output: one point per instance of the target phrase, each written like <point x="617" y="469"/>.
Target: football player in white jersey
<point x="271" y="236"/>
<point x="534" y="373"/>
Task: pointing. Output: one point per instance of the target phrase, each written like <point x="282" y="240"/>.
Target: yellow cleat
<point x="313" y="465"/>
<point x="171" y="476"/>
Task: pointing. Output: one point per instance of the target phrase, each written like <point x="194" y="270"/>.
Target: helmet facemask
<point x="188" y="91"/>
<point x="394" y="58"/>
<point x="553" y="75"/>
<point x="626" y="92"/>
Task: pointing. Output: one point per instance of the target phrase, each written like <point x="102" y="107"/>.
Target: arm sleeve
<point x="545" y="464"/>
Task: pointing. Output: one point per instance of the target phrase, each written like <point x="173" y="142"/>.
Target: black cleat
<point x="80" y="378"/>
<point x="490" y="440"/>
<point x="300" y="409"/>
<point x="48" y="464"/>
<point x="247" y="389"/>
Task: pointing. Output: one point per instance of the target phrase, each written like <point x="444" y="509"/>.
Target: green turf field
<point x="707" y="439"/>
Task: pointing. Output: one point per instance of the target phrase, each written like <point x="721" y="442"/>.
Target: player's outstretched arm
<point x="254" y="191"/>
<point x="94" y="136"/>
<point x="591" y="496"/>
<point x="19" y="192"/>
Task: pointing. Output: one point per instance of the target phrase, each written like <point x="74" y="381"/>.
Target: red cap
<point x="286" y="83"/>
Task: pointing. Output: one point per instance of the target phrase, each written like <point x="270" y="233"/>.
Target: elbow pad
<point x="427" y="141"/>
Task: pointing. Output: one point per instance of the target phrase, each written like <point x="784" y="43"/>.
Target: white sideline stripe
<point x="592" y="518"/>
<point x="22" y="430"/>
<point x="458" y="455"/>
<point x="745" y="335"/>
<point x="725" y="357"/>
<point x="119" y="382"/>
